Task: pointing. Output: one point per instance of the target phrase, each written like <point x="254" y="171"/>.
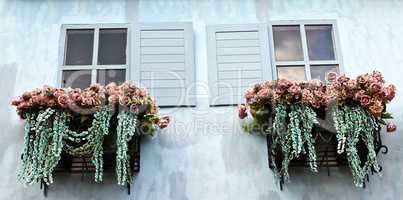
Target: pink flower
<point x="263" y="93"/>
<point x="365" y="100"/>
<point x="294" y="89"/>
<point x="163" y="122"/>
<point x="390" y="92"/>
<point x="26" y="95"/>
<point x="362" y="79"/>
<point x="143" y="92"/>
<point x="22" y="106"/>
<point x="375" y="87"/>
<point x="358" y="95"/>
<point x="134" y="108"/>
<point x="63" y="101"/>
<point x="391" y="127"/>
<point x="242" y="111"/>
<point x="124" y="100"/>
<point x="282" y="84"/>
<point x="249" y="94"/>
<point x="378" y="76"/>
<point x="351" y="84"/>
<point x="17" y="101"/>
<point x="376" y="108"/>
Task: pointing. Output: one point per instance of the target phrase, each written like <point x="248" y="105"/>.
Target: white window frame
<point x="94" y="67"/>
<point x="306" y="62"/>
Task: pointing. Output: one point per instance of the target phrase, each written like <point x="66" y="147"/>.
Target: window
<point x="304" y="50"/>
<point x="93" y="54"/>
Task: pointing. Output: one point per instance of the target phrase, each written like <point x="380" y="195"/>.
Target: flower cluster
<point x="369" y="90"/>
<point x="312" y="93"/>
<point x="127" y="95"/>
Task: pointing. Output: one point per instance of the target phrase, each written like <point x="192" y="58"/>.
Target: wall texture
<point x="203" y="154"/>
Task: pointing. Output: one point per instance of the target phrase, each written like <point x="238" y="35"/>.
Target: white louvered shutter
<point x="238" y="57"/>
<point x="164" y="62"/>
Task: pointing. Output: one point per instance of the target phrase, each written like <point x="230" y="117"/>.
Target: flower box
<point x="94" y="129"/>
<point x="297" y="117"/>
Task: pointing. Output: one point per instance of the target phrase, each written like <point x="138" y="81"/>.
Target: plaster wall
<point x="203" y="154"/>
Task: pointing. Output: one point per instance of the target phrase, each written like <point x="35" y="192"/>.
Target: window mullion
<point x="95" y="56"/>
<point x="305" y="52"/>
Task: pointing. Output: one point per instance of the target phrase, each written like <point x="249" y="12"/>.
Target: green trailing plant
<point x="294" y="138"/>
<point x="354" y="123"/>
<point x="55" y="123"/>
<point x="126" y="128"/>
<point x="93" y="139"/>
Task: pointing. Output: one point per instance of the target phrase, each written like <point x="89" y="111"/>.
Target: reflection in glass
<point x="106" y="76"/>
<point x="112" y="47"/>
<point x="320" y="42"/>
<point x="320" y="71"/>
<point x="295" y="73"/>
<point x="287" y="43"/>
<point x="76" y="78"/>
<point x="79" y="46"/>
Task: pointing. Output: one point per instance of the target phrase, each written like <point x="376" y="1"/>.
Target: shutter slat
<point x="166" y="75"/>
<point x="175" y="34"/>
<point x="256" y="74"/>
<point x="237" y="35"/>
<point x="238" y="43"/>
<point x="162" y="42"/>
<point x="163" y="66"/>
<point x="237" y="50"/>
<point x="162" y="50"/>
<point x="238" y="59"/>
<point x="162" y="58"/>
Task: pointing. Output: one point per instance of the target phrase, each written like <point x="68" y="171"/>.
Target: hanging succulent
<point x="50" y="114"/>
<point x="126" y="129"/>
<point x="359" y="106"/>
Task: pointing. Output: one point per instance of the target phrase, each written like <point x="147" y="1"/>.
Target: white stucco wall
<point x="203" y="154"/>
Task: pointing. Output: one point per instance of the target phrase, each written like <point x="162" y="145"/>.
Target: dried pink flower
<point x="391" y="127"/>
<point x="242" y="111"/>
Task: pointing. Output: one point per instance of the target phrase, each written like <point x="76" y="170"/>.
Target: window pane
<point x="79" y="46"/>
<point x="76" y="78"/>
<point x="320" y="71"/>
<point x="320" y="42"/>
<point x="287" y="43"/>
<point x="112" y="47"/>
<point x="294" y="73"/>
<point x="106" y="76"/>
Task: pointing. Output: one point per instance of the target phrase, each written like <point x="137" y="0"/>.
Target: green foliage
<point x="125" y="130"/>
<point x="354" y="123"/>
<point x="47" y="134"/>
<point x="293" y="138"/>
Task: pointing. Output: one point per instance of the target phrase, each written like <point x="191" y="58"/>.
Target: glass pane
<point x="320" y="42"/>
<point x="287" y="43"/>
<point x="79" y="46"/>
<point x="112" y="47"/>
<point x="76" y="78"/>
<point x="294" y="73"/>
<point x="320" y="71"/>
<point x="106" y="76"/>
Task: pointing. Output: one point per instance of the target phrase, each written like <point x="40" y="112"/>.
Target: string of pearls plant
<point x="293" y="137"/>
<point x="353" y="123"/>
<point x="357" y="108"/>
<point x="126" y="129"/>
<point x="58" y="120"/>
